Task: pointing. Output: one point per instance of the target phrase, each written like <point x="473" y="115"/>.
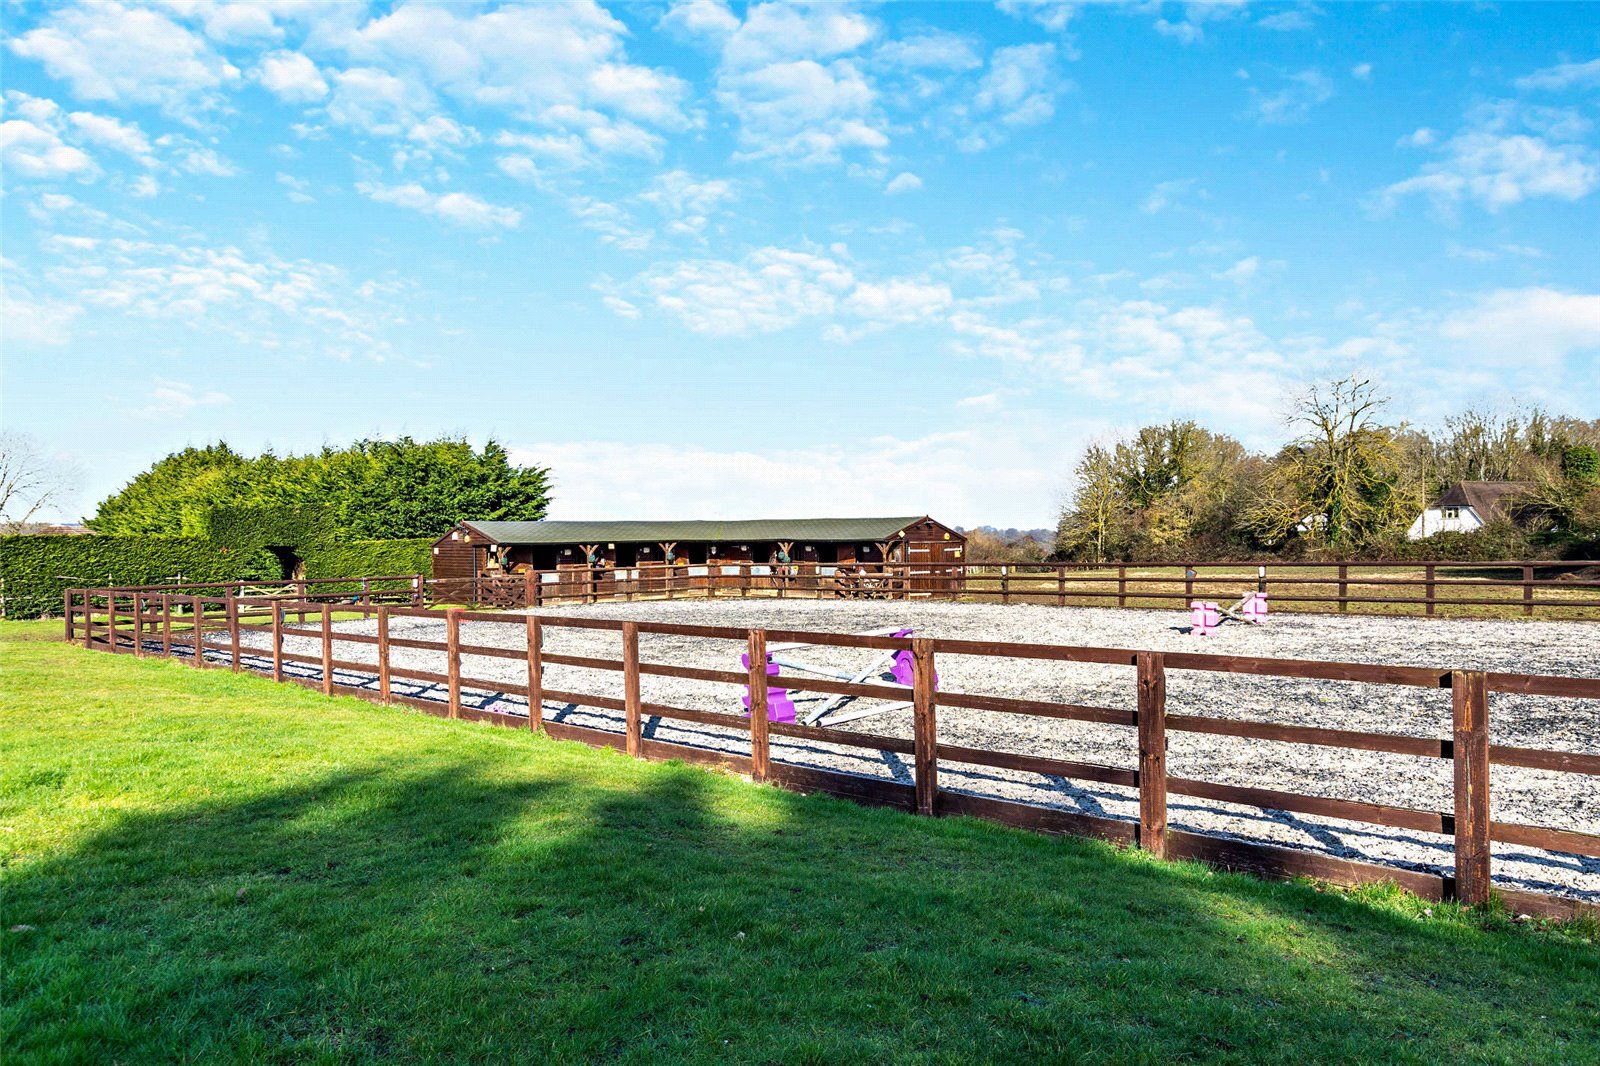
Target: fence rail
<point x="208" y="630"/>
<point x="1471" y="589"/>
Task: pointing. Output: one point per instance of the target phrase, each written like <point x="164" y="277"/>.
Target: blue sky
<point x="711" y="260"/>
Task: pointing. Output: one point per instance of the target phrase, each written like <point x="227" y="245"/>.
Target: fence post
<point x="1188" y="583"/>
<point x="1428" y="573"/>
<point x="1152" y="721"/>
<point x="300" y="596"/>
<point x="1527" y="590"/>
<point x="166" y="625"/>
<point x="760" y="749"/>
<point x="1122" y="585"/>
<point x="535" y="674"/>
<point x="1469" y="697"/>
<point x="1344" y="588"/>
<point x="196" y="634"/>
<point x="452" y="654"/>
<point x="88" y="618"/>
<point x="416" y="590"/>
<point x="277" y="641"/>
<point x="66" y="611"/>
<point x="1061" y="585"/>
<point x="138" y="625"/>
<point x="1005" y="584"/>
<point x="383" y="654"/>
<point x="630" y="686"/>
<point x="111" y="620"/>
<point x="327" y="649"/>
<point x="233" y="628"/>
<point x="925" y="732"/>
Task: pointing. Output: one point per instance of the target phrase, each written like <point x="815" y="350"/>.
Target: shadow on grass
<point x="550" y="905"/>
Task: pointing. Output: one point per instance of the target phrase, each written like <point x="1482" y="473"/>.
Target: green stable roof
<point x="807" y="529"/>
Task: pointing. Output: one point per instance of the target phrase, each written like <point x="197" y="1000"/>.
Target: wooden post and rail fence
<point x="255" y="633"/>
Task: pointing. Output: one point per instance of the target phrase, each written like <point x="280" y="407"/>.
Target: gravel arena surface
<point x="1534" y="797"/>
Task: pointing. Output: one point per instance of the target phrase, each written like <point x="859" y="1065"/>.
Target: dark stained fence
<point x="208" y="629"/>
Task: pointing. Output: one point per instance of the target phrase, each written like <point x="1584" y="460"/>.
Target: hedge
<point x="35" y="571"/>
<point x="278" y="526"/>
<point x="367" y="558"/>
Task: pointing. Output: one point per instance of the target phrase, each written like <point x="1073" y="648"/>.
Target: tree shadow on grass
<point x="545" y="904"/>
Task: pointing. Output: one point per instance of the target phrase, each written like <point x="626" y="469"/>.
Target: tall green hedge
<point x="368" y="558"/>
<point x="35" y="571"/>
<point x="281" y="526"/>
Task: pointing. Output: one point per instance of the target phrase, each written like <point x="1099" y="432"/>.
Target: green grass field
<point x="208" y="867"/>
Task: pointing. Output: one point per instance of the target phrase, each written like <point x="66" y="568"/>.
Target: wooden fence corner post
<point x="630" y="687"/>
<point x="138" y="625"/>
<point x="452" y="653"/>
<point x="66" y="604"/>
<point x="925" y="734"/>
<point x="1527" y="591"/>
<point x="277" y="641"/>
<point x="535" y="674"/>
<point x="111" y="621"/>
<point x="327" y="649"/>
<point x="233" y="627"/>
<point x="197" y="637"/>
<point x="1469" y="698"/>
<point x="166" y="625"/>
<point x="383" y="655"/>
<point x="1152" y="722"/>
<point x="88" y="618"/>
<point x="1122" y="585"/>
<point x="760" y="748"/>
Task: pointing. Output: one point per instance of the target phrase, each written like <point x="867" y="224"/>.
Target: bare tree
<point x="31" y="481"/>
<point x="1339" y="482"/>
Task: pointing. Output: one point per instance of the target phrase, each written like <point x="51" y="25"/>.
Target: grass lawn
<point x="201" y="866"/>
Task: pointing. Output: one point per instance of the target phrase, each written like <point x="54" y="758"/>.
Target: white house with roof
<point x="1466" y="506"/>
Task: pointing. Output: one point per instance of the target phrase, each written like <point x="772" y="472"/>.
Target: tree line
<point x="1348" y="484"/>
<point x="372" y="489"/>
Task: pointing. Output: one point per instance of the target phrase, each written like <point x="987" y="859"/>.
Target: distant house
<point x="49" y="529"/>
<point x="1468" y="505"/>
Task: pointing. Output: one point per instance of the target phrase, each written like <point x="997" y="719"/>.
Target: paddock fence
<point x="1543" y="588"/>
<point x="211" y="632"/>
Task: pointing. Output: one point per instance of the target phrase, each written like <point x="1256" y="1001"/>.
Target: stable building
<point x="474" y="548"/>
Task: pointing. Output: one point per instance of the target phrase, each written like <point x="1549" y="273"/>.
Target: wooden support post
<point x="1061" y="585"/>
<point x="760" y="748"/>
<point x="1005" y="584"/>
<point x="366" y="591"/>
<point x="416" y="591"/>
<point x="300" y="595"/>
<point x="196" y="634"/>
<point x="1428" y="573"/>
<point x="88" y="618"/>
<point x="66" y="610"/>
<point x="452" y="653"/>
<point x="1470" y="699"/>
<point x="1152" y="721"/>
<point x="277" y="641"/>
<point x="1344" y="588"/>
<point x="327" y="649"/>
<point x="1122" y="586"/>
<point x="630" y="687"/>
<point x="138" y="625"/>
<point x="530" y="588"/>
<point x="535" y="674"/>
<point x="925" y="732"/>
<point x="1527" y="590"/>
<point x="166" y="625"/>
<point x="233" y="628"/>
<point x="1188" y="583"/>
<point x="383" y="655"/>
<point x="111" y="620"/>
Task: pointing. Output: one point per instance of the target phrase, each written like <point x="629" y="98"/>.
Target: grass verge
<point x="206" y="866"/>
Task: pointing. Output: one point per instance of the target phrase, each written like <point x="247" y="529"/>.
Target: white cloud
<point x="1191" y="28"/>
<point x="1244" y="270"/>
<point x="462" y="209"/>
<point x="291" y="76"/>
<point x="1020" y="85"/>
<point x="1293" y="100"/>
<point x="1563" y="76"/>
<point x="619" y="306"/>
<point x="375" y="101"/>
<point x="1491" y="164"/>
<point x="1536" y="325"/>
<point x="988" y="401"/>
<point x="898" y="300"/>
<point x="1167" y="194"/>
<point x="176" y="399"/>
<point x="297" y="188"/>
<point x="128" y="55"/>
<point x="905" y="181"/>
<point x="932" y="50"/>
<point x="36" y="152"/>
<point x="1361" y="72"/>
<point x="1053" y="15"/>
<point x="125" y="137"/>
<point x="1287" y="20"/>
<point x="772" y="289"/>
<point x="687" y="202"/>
<point x="438" y="131"/>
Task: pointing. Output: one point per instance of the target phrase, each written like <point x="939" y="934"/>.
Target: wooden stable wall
<point x="149" y="622"/>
